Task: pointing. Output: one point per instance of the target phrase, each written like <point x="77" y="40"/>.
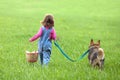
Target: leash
<point x="60" y="49"/>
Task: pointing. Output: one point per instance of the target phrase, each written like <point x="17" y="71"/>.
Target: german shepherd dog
<point x="96" y="54"/>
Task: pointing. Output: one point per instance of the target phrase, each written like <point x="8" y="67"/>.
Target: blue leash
<point x="60" y="49"/>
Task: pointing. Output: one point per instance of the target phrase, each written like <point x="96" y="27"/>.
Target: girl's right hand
<point x="30" y="40"/>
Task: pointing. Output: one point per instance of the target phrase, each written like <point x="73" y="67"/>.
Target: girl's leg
<point x="46" y="57"/>
<point x="41" y="58"/>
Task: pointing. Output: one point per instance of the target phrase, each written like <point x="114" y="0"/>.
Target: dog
<point x="96" y="54"/>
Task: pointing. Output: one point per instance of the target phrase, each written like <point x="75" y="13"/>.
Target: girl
<point x="46" y="34"/>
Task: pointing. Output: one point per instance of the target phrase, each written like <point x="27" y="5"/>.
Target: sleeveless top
<point x="45" y="43"/>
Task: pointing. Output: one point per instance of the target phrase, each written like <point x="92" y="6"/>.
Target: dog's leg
<point x="94" y="62"/>
<point x="90" y="57"/>
<point x="99" y="64"/>
<point x="102" y="63"/>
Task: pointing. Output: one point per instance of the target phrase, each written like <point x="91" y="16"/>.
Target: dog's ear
<point x="91" y="42"/>
<point x="99" y="42"/>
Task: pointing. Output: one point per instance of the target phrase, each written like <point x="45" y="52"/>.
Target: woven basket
<point x="32" y="56"/>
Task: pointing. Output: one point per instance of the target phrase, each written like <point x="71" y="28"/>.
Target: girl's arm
<point x="53" y="34"/>
<point x="36" y="36"/>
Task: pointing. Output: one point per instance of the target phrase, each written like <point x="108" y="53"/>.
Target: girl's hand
<point x="58" y="38"/>
<point x="30" y="40"/>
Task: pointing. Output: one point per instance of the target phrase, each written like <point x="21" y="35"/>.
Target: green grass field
<point x="76" y="22"/>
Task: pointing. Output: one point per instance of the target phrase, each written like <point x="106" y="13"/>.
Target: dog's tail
<point x="101" y="54"/>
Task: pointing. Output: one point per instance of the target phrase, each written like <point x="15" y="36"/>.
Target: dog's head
<point x="95" y="45"/>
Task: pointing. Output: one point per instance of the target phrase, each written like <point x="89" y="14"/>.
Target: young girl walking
<point x="46" y="34"/>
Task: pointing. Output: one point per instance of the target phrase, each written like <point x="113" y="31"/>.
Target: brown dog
<point x="96" y="54"/>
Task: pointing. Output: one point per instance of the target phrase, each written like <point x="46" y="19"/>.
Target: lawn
<point x="76" y="23"/>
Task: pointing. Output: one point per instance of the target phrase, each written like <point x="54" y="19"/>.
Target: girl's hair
<point x="48" y="21"/>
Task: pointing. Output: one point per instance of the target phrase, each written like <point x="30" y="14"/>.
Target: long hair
<point x="48" y="21"/>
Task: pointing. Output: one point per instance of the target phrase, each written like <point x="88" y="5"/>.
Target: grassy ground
<point x="76" y="22"/>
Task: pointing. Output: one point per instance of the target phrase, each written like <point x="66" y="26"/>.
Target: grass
<point x="76" y="22"/>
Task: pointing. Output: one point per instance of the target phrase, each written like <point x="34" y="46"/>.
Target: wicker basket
<point x="32" y="56"/>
